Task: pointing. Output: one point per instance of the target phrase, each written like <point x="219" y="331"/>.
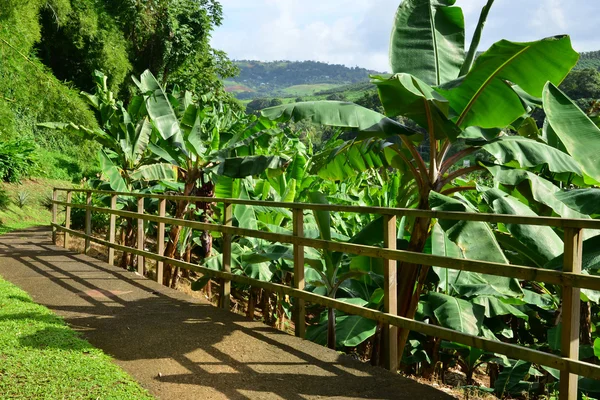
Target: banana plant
<point x="461" y="106"/>
<point x="332" y="274"/>
<point x="203" y="139"/>
<point x="125" y="134"/>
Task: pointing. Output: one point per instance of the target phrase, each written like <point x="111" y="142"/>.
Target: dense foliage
<point x="590" y="59"/>
<point x="50" y="50"/>
<point x="446" y="131"/>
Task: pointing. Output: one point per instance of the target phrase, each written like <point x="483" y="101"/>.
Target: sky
<point x="357" y="32"/>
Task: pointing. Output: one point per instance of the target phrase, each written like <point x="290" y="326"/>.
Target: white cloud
<point x="356" y="32"/>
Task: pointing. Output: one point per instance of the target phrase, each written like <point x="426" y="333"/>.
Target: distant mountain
<point x="292" y="78"/>
<point x="312" y="80"/>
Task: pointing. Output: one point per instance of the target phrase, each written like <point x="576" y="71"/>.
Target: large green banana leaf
<point x="528" y="153"/>
<point x="158" y="105"/>
<point x="155" y="172"/>
<point x="457" y="314"/>
<point x="590" y="257"/>
<point x="466" y="283"/>
<point x="240" y="167"/>
<point x="350" y="330"/>
<point x="475" y="241"/>
<point x="494" y="307"/>
<point x="406" y="95"/>
<point x="579" y="135"/>
<point x="541" y="240"/>
<point x="485" y="98"/>
<point x="428" y="40"/>
<point x="542" y="190"/>
<point x="511" y="377"/>
<point x="584" y="201"/>
<point x="339" y="114"/>
<point x="112" y="173"/>
<point x="349" y="161"/>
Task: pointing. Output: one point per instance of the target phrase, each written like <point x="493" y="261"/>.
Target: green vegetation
<point x="35" y="210"/>
<point x="291" y="78"/>
<point x="49" y="51"/>
<point x="590" y="59"/>
<point x="43" y="358"/>
<point x="498" y="133"/>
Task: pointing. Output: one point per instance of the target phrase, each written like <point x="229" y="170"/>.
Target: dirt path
<point x="182" y="348"/>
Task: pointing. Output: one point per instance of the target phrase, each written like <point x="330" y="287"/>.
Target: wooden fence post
<point x="226" y="284"/>
<point x="54" y="214"/>
<point x="112" y="230"/>
<point x="140" y="235"/>
<point x="299" y="304"/>
<point x="390" y="303"/>
<point x="570" y="312"/>
<point x="88" y="222"/>
<point x="67" y="219"/>
<point x="160" y="240"/>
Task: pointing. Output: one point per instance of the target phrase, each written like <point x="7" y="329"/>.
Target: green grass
<point x="305" y="90"/>
<point x="41" y="358"/>
<point x="35" y="212"/>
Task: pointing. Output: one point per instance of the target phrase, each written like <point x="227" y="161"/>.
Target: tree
<point x="275" y="102"/>
<point x="454" y="102"/>
<point x="126" y="163"/>
<point x="256" y="105"/>
<point x="582" y="84"/>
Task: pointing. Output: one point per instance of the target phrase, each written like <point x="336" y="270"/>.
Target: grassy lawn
<point x="41" y="358"/>
<point x="35" y="210"/>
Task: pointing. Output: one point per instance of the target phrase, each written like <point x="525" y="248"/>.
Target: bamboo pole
<point x="67" y="219"/>
<point x="225" y="294"/>
<point x="140" y="235"/>
<point x="299" y="304"/>
<point x="390" y="302"/>
<point x="160" y="240"/>
<point x="570" y="312"/>
<point x="112" y="229"/>
<point x="88" y="222"/>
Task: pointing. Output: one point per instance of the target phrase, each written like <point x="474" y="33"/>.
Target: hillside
<point x="291" y="78"/>
<point x="589" y="59"/>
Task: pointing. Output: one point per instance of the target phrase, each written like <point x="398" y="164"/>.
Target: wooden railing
<point x="570" y="278"/>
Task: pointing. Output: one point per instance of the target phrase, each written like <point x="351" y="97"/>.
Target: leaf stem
<point x="458" y="189"/>
<point x="456" y="174"/>
<point x="476" y="38"/>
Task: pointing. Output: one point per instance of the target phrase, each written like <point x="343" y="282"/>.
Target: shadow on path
<point x="179" y="347"/>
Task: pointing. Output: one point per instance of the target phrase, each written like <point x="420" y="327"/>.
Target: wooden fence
<point x="570" y="278"/>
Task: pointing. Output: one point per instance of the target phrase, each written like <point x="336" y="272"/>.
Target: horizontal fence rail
<point x="570" y="278"/>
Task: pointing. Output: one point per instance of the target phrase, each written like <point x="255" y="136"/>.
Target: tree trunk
<point x="128" y="238"/>
<point x="331" y="328"/>
<point x="411" y="277"/>
<point x="206" y="190"/>
<point x="169" y="276"/>
<point x="251" y="304"/>
<point x="376" y="355"/>
<point x="585" y="335"/>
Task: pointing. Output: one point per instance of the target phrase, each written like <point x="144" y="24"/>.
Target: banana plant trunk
<point x="128" y="238"/>
<point x="206" y="190"/>
<point x="182" y="206"/>
<point x="411" y="277"/>
<point x="331" y="328"/>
